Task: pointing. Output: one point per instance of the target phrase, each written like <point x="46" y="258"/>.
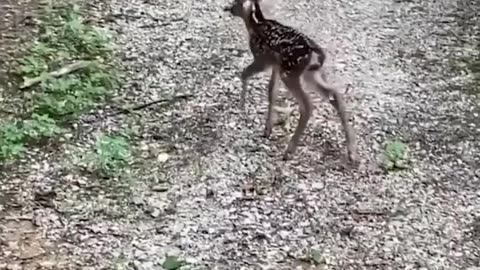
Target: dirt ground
<point x="206" y="186"/>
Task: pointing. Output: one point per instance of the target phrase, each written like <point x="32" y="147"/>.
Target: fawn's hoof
<point x="353" y="158"/>
<point x="267" y="132"/>
<point x="288" y="153"/>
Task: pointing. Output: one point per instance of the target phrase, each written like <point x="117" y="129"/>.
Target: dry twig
<point x="148" y="104"/>
<point x="57" y="73"/>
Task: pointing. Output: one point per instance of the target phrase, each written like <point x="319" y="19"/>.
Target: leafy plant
<point x="15" y="135"/>
<point x="111" y="155"/>
<point x="395" y="155"/>
<point x="32" y="66"/>
<point x="40" y="126"/>
<point x="11" y="141"/>
<point x="71" y="95"/>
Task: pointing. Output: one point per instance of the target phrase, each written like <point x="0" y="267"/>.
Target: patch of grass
<point x="110" y="156"/>
<point x="64" y="38"/>
<point x="395" y="156"/>
<point x="15" y="134"/>
<point x="11" y="140"/>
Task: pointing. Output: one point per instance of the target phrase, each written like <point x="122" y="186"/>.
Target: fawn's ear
<point x="249" y="5"/>
<point x="257" y="14"/>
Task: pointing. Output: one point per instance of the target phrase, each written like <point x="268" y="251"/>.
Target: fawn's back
<point x="283" y="45"/>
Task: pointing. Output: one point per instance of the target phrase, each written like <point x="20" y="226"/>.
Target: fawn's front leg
<point x="256" y="67"/>
<point x="272" y="93"/>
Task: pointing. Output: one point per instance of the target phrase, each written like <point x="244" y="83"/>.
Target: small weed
<point x="172" y="263"/>
<point x="110" y="156"/>
<point x="395" y="155"/>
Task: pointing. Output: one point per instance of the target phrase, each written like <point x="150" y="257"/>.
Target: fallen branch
<point x="3" y="111"/>
<point x="57" y="73"/>
<point x="367" y="212"/>
<point x="148" y="104"/>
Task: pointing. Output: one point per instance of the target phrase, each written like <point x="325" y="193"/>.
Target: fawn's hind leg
<point x="292" y="82"/>
<point x="317" y="78"/>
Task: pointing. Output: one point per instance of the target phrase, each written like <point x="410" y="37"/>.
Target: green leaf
<point x="317" y="256"/>
<point x="396" y="150"/>
<point x="172" y="263"/>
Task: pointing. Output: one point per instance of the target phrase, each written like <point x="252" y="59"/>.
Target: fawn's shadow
<point x="198" y="131"/>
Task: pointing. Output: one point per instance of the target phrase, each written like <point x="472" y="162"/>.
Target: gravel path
<point x="225" y="200"/>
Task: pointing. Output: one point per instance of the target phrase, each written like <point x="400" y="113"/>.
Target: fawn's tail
<point x="317" y="59"/>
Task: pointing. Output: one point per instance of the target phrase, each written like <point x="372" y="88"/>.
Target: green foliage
<point x="14" y="135"/>
<point x="67" y="31"/>
<point x="40" y="126"/>
<point x="33" y="66"/>
<point x="395" y="155"/>
<point x="11" y="140"/>
<point x="172" y="263"/>
<point x="110" y="156"/>
<point x="72" y="94"/>
<point x="316" y="256"/>
<point x="64" y="37"/>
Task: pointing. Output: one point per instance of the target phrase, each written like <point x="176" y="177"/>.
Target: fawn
<point x="292" y="57"/>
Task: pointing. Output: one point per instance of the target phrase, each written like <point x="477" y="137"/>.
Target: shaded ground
<point x="17" y="26"/>
<point x="223" y="199"/>
<point x="22" y="243"/>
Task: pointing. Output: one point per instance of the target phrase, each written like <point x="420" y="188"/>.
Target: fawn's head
<point x="242" y="8"/>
